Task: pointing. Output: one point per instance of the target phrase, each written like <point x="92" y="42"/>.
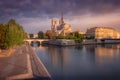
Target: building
<point x="60" y="28"/>
<point x="80" y="32"/>
<point x="103" y="32"/>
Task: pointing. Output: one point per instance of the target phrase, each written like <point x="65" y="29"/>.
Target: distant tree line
<point x="51" y="35"/>
<point x="11" y="34"/>
<point x="73" y="35"/>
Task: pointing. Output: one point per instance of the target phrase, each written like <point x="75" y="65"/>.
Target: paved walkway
<point x="15" y="66"/>
<point x="23" y="63"/>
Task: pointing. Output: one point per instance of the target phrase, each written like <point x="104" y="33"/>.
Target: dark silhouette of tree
<point x="40" y="35"/>
<point x="31" y="35"/>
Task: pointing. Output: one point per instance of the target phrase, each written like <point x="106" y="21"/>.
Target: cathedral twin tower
<point x="62" y="28"/>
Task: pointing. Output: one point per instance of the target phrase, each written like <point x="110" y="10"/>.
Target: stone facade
<point x="103" y="32"/>
<point x="62" y="28"/>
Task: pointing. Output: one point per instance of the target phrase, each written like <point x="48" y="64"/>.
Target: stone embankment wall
<point x="38" y="68"/>
<point x="100" y="41"/>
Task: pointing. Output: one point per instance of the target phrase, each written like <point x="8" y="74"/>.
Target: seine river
<point x="87" y="62"/>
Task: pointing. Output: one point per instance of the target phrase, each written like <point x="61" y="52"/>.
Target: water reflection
<point x="59" y="58"/>
<point x="80" y="62"/>
<point x="106" y="54"/>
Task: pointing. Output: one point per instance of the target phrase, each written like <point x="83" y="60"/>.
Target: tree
<point x="90" y="37"/>
<point x="3" y="29"/>
<point x="31" y="35"/>
<point x="40" y="35"/>
<point x="50" y="34"/>
<point x="13" y="33"/>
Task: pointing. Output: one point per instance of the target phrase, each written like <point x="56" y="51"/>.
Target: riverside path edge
<point x="38" y="68"/>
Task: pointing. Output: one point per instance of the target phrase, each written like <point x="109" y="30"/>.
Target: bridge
<point x="29" y="41"/>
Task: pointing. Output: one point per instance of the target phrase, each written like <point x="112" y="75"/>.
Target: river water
<point x="87" y="62"/>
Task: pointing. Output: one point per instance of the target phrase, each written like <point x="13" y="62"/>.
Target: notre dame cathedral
<point x="60" y="28"/>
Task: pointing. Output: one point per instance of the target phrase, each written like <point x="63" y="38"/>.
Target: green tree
<point x="3" y="29"/>
<point x="13" y="33"/>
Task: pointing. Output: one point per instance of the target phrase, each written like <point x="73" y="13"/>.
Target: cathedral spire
<point x="62" y="19"/>
<point x="62" y="16"/>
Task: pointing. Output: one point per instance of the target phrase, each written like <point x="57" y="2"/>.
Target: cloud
<point x="33" y="13"/>
<point x="52" y="7"/>
<point x="33" y="25"/>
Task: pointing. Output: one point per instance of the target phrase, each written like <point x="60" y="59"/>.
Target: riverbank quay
<point x="22" y="64"/>
<point x="100" y="41"/>
<point x="59" y="42"/>
<point x="6" y="53"/>
<point x="69" y="42"/>
<point x="39" y="70"/>
<point x="15" y="66"/>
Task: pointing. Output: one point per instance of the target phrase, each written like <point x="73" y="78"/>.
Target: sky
<point x="36" y="15"/>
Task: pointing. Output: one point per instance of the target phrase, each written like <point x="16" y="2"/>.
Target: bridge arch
<point x="29" y="41"/>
